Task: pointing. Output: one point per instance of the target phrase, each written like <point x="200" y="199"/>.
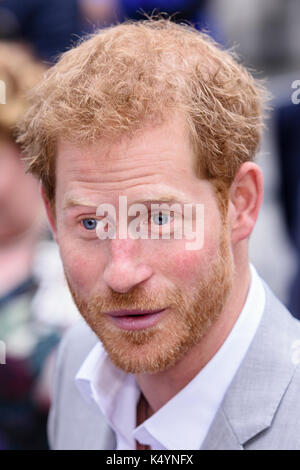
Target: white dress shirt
<point x="183" y="422"/>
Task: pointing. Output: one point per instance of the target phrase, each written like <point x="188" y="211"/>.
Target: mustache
<point x="132" y="300"/>
<point x="137" y="299"/>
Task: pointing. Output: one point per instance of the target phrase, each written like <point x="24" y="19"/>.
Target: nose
<point x="124" y="271"/>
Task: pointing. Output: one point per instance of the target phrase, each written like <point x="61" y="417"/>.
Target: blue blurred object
<point x="54" y="26"/>
<point x="287" y="125"/>
<point x="187" y="8"/>
<point x="51" y="26"/>
<point x="193" y="11"/>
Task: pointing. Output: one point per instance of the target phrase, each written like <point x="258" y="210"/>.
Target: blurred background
<point x="35" y="306"/>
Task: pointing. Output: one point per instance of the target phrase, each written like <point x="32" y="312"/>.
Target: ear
<point x="245" y="199"/>
<point x="50" y="213"/>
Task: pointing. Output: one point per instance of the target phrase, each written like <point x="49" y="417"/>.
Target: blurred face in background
<point x="100" y="12"/>
<point x="19" y="194"/>
<point x="20" y="201"/>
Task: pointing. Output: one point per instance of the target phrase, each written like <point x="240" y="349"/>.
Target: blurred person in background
<point x="51" y="27"/>
<point x="104" y="12"/>
<point x="28" y="266"/>
<point x="287" y="125"/>
<point x="198" y="12"/>
<point x="99" y="13"/>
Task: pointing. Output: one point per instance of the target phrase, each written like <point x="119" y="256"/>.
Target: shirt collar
<point x="113" y="390"/>
<point x="183" y="422"/>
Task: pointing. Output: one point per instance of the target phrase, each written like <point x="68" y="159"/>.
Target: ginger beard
<point x="188" y="318"/>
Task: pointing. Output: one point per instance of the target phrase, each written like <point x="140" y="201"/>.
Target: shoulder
<point x="75" y="423"/>
<point x="284" y="430"/>
<point x="265" y="391"/>
<point x="78" y="340"/>
<point x="75" y="345"/>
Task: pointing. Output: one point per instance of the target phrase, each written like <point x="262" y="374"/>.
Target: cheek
<point x="186" y="266"/>
<point x="82" y="265"/>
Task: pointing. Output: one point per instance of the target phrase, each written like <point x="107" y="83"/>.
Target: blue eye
<point x="160" y="218"/>
<point x="89" y="224"/>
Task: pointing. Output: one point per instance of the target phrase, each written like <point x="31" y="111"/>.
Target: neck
<point x="159" y="388"/>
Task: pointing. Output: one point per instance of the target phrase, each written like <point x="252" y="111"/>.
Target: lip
<point x="135" y="319"/>
<point x="126" y="313"/>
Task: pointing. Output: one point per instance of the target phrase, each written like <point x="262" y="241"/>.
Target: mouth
<point x="135" y="319"/>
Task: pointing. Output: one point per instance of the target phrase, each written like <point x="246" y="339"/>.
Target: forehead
<point x="170" y="137"/>
<point x="154" y="157"/>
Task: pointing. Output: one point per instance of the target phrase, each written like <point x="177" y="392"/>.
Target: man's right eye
<point x="89" y="224"/>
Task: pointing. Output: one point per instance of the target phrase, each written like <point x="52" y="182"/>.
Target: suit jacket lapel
<point x="255" y="392"/>
<point x="221" y="435"/>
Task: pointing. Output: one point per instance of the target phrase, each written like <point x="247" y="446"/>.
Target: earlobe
<point x="50" y="213"/>
<point x="246" y="194"/>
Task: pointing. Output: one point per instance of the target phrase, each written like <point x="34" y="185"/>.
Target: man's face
<point x="148" y="300"/>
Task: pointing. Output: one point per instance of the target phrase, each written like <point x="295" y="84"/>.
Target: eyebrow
<point x="73" y="202"/>
<point x="169" y="199"/>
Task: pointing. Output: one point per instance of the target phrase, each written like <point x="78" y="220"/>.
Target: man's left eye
<point x="89" y="224"/>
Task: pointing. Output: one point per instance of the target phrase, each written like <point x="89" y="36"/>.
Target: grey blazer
<point x="261" y="409"/>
